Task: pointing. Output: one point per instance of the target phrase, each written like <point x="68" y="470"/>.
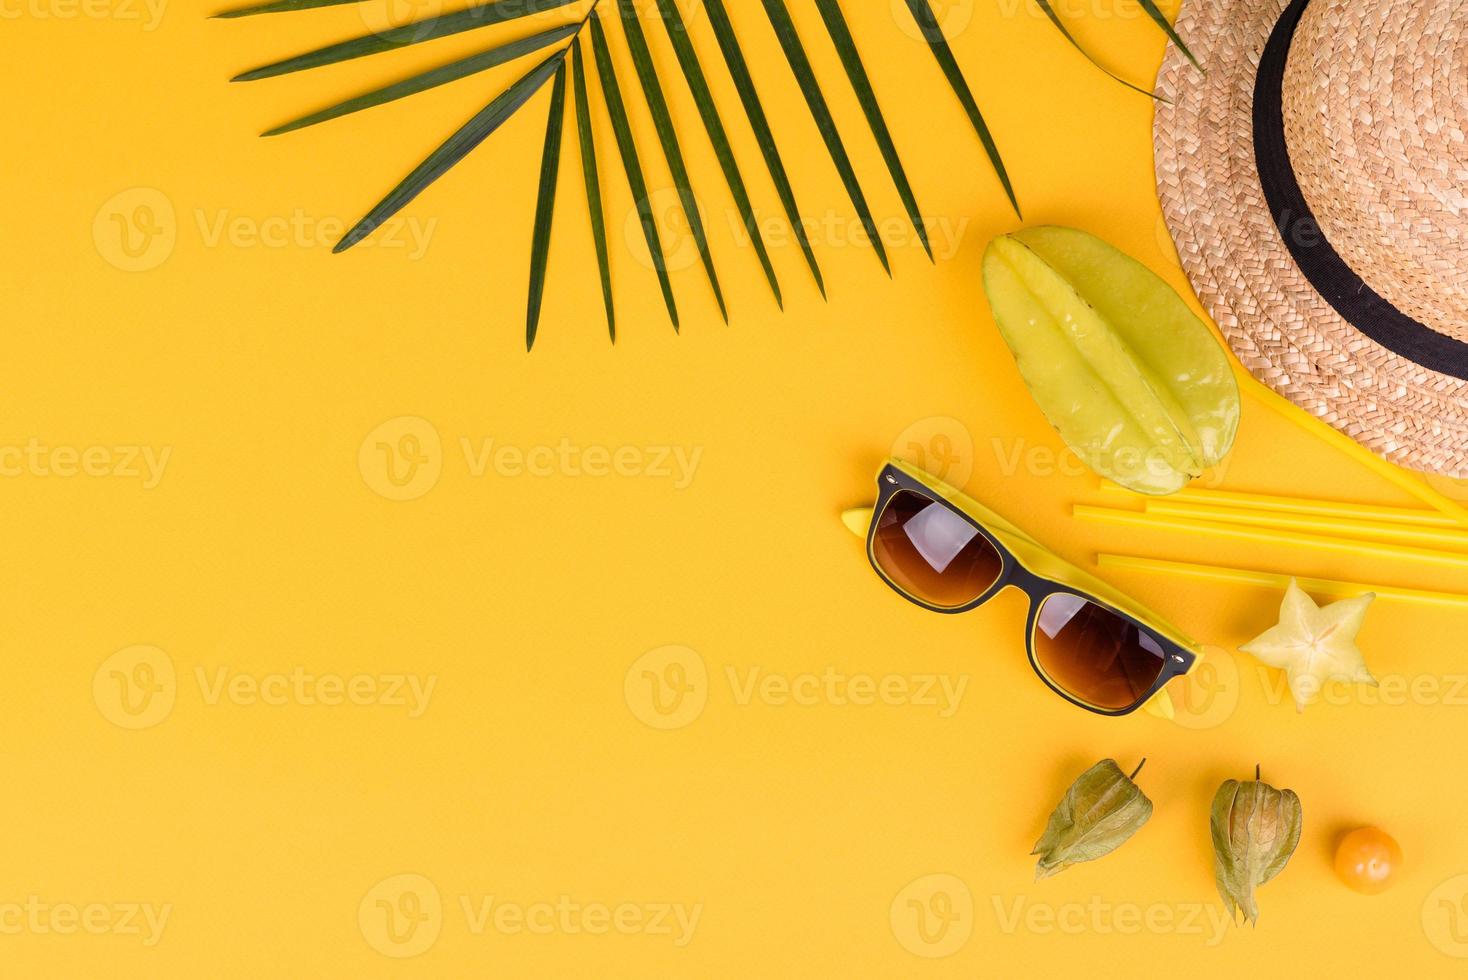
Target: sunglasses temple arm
<point x="857" y="520"/>
<point x="1160" y="705"/>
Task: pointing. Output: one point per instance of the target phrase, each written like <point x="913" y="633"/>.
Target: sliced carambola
<point x="1096" y="358"/>
<point x="1131" y="379"/>
<point x="1164" y="333"/>
<point x="1088" y="414"/>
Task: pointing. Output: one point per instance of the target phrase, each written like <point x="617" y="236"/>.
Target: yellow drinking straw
<point x="1297" y="505"/>
<point x="1243" y="576"/>
<point x="1404" y="479"/>
<point x="1131" y="518"/>
<point x="1337" y="526"/>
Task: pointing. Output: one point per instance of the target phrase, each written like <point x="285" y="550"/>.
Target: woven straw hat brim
<point x="1277" y="324"/>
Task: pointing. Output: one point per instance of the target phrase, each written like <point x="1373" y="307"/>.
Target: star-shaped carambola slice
<point x="1314" y="645"/>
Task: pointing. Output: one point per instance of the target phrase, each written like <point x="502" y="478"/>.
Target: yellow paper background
<point x="262" y="364"/>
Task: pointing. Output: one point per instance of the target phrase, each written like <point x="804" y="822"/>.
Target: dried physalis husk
<point x="1102" y="808"/>
<point x="1255" y="830"/>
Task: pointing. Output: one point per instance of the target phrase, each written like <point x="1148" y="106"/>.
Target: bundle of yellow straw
<point x="1436" y="537"/>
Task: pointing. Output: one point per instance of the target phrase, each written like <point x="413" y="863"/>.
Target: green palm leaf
<point x="593" y="186"/>
<point x="278" y="7"/>
<point x="800" y="64"/>
<point x="662" y="119"/>
<point x="617" y="109"/>
<point x="454" y="149"/>
<point x="851" y="59"/>
<point x="431" y="79"/>
<point x="545" y="204"/>
<point x="1044" y="5"/>
<point x="922" y="12"/>
<point x="483" y="15"/>
<point x="693" y="74"/>
<point x="754" y="110"/>
<point x="1161" y="21"/>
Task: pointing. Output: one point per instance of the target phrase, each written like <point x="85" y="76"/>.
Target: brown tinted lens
<point x="1094" y="654"/>
<point x="932" y="553"/>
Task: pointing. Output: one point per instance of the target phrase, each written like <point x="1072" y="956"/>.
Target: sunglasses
<point x="946" y="552"/>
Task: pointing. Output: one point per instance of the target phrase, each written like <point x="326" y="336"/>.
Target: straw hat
<point x="1315" y="181"/>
